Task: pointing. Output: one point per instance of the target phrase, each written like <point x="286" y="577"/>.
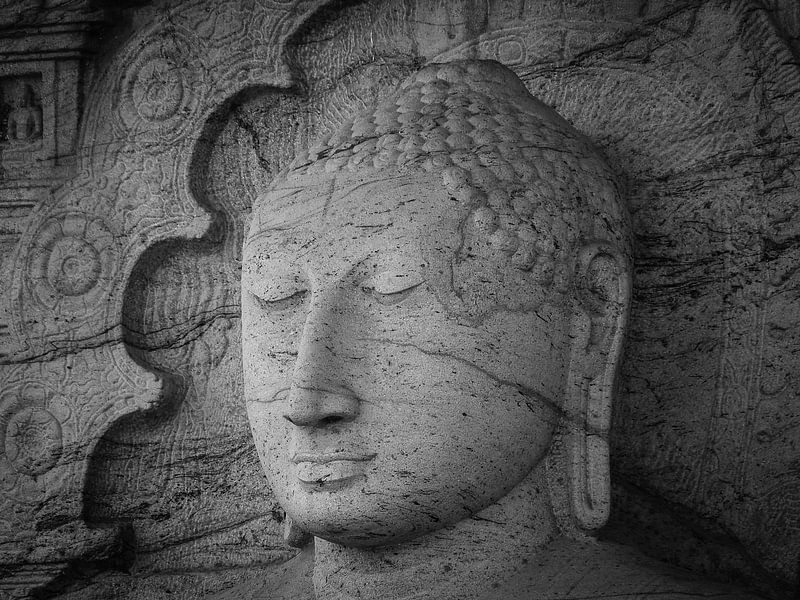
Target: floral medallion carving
<point x="31" y="438"/>
<point x="33" y="441"/>
<point x="159" y="92"/>
<point x="71" y="255"/>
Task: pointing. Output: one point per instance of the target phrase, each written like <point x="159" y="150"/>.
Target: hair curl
<point x="534" y="185"/>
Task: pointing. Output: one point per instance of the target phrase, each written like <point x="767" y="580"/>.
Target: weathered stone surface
<point x="145" y="133"/>
<point x="434" y="301"/>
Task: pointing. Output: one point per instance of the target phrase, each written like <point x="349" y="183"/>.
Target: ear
<point x="579" y="469"/>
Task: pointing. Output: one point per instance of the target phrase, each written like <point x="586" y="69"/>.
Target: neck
<point x="464" y="560"/>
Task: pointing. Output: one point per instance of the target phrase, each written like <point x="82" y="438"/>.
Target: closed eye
<point x="393" y="297"/>
<point x="291" y="302"/>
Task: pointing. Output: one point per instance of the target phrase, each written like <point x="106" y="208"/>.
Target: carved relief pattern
<point x="161" y="90"/>
<point x="136" y="163"/>
<point x="146" y="112"/>
<point x="47" y="431"/>
<point x="31" y="438"/>
<point x="70" y="255"/>
<point x="20" y="109"/>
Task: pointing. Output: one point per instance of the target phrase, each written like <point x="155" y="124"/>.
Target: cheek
<point x="271" y="436"/>
<point x="452" y="428"/>
<point x="269" y="346"/>
<point x="530" y="350"/>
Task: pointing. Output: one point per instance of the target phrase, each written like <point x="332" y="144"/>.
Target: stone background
<point x="126" y="464"/>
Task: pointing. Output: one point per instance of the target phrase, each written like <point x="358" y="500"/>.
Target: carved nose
<point x="318" y="396"/>
<point x="312" y="407"/>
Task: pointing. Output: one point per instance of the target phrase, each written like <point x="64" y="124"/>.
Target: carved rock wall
<point x="125" y="448"/>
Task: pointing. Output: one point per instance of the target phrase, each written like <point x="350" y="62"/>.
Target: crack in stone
<point x="524" y="390"/>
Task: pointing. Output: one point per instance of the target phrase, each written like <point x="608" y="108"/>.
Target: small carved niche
<point x="21" y="109"/>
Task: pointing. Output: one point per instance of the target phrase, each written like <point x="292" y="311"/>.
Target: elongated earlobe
<point x="578" y="466"/>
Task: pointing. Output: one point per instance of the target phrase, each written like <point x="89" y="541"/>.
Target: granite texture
<point x="127" y="465"/>
<point x="434" y="302"/>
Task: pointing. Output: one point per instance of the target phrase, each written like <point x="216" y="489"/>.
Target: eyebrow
<point x="267" y="236"/>
<point x="268" y="222"/>
<point x="264" y="213"/>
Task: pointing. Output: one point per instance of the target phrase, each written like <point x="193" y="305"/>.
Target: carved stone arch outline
<point x="82" y="242"/>
<point x="181" y="318"/>
<point x="171" y="332"/>
<point x="204" y="290"/>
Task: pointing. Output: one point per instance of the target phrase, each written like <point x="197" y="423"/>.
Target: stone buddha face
<point x="405" y="357"/>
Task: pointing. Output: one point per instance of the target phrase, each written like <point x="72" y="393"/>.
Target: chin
<point x="359" y="520"/>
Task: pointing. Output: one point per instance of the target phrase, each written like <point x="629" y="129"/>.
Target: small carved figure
<point x="434" y="300"/>
<point x="25" y="121"/>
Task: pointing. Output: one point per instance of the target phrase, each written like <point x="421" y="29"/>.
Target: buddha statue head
<point x="434" y="300"/>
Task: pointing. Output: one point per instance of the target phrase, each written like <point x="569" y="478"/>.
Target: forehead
<point x="371" y="202"/>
